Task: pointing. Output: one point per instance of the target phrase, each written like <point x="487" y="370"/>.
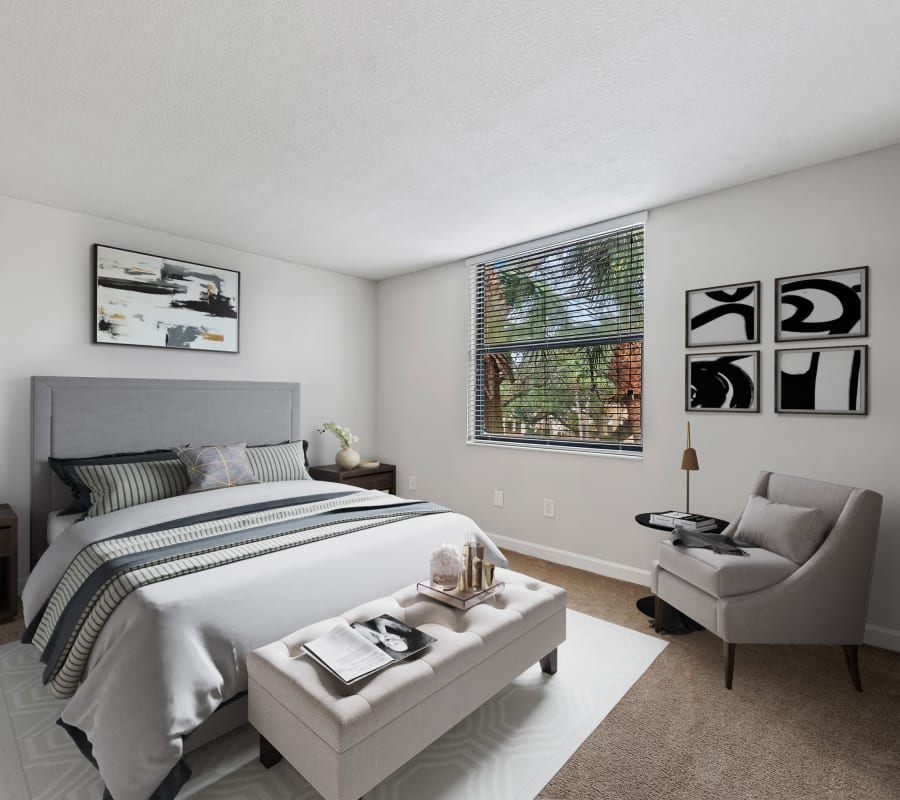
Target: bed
<point x="165" y="668"/>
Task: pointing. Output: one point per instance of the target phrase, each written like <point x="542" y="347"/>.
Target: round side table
<point x="655" y="602"/>
<point x="644" y="519"/>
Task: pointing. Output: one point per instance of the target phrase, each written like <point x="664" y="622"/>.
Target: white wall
<point x="836" y="215"/>
<point x="296" y="324"/>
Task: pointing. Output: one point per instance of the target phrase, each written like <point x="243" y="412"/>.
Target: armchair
<point x="767" y="598"/>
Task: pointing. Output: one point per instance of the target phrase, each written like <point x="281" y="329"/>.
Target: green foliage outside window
<point x="559" y="344"/>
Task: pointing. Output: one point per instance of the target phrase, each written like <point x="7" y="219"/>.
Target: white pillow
<point x="790" y="531"/>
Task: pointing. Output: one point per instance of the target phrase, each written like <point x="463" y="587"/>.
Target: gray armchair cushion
<point x="790" y="531"/>
<point x="724" y="576"/>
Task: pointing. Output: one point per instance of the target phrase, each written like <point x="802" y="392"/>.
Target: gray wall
<point x="840" y="214"/>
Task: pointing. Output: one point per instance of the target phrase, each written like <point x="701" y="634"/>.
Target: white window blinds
<point x="556" y="344"/>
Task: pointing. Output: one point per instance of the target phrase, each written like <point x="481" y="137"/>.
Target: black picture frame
<point x="835" y="381"/>
<point x="826" y="305"/>
<point x="722" y="315"/>
<point x="148" y="300"/>
<point x="722" y="382"/>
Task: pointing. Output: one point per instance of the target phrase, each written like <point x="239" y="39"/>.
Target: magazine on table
<point x="683" y="520"/>
<point x="353" y="652"/>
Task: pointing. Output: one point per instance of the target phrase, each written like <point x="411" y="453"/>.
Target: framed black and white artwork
<point x="722" y="381"/>
<point x="722" y="315"/>
<point x="152" y="301"/>
<point x="822" y="380"/>
<point x="822" y="305"/>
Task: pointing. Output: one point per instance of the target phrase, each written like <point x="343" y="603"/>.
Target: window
<point x="556" y="343"/>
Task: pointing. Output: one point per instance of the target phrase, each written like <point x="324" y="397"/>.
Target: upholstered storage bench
<point x="346" y="740"/>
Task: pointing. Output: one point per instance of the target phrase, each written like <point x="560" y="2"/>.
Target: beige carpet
<point x="792" y="727"/>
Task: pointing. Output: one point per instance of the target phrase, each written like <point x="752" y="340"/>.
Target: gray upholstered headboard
<point x="78" y="417"/>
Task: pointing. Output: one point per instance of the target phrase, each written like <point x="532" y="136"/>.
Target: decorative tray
<point x="460" y="599"/>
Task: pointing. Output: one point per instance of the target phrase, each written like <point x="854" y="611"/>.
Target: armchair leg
<point x="851" y="656"/>
<point x="657" y="613"/>
<point x="728" y="650"/>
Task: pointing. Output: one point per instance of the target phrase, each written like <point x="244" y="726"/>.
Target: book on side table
<point x="681" y="519"/>
<point x="353" y="652"/>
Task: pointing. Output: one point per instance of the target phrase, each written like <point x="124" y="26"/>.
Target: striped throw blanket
<point x="104" y="573"/>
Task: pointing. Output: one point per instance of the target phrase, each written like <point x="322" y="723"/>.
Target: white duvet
<point x="172" y="652"/>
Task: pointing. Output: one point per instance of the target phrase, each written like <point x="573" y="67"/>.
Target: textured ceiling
<point x="375" y="138"/>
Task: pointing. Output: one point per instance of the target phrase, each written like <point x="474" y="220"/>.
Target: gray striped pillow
<point x="279" y="462"/>
<point x="116" y="486"/>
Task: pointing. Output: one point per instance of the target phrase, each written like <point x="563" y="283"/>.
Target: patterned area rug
<point x="507" y="750"/>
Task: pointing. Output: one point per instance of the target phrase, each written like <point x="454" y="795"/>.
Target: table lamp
<point x="689" y="463"/>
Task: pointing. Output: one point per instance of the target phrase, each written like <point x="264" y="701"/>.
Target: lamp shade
<point x="689" y="464"/>
<point x="689" y="459"/>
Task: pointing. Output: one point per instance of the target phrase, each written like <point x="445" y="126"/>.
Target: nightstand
<point x="382" y="477"/>
<point x="9" y="573"/>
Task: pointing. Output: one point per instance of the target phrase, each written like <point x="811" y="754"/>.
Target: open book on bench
<point x="353" y="652"/>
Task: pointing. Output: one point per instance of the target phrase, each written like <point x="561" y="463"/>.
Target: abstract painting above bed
<point x="151" y="301"/>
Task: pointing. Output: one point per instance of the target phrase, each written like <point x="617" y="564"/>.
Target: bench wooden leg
<point x="548" y="663"/>
<point x="268" y="755"/>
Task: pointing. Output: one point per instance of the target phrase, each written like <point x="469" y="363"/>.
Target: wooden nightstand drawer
<point x="383" y="477"/>
<point x="383" y="482"/>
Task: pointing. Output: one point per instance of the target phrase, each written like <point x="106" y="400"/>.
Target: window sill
<point x="576" y="451"/>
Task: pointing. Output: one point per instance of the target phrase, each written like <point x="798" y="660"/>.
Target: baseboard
<point x="599" y="566"/>
<point x="878" y="636"/>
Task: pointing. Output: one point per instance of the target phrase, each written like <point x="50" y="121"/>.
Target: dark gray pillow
<point x="790" y="531"/>
<point x="216" y="466"/>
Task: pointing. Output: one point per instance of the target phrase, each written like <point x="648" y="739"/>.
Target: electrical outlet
<point x="549" y="508"/>
<point x="498" y="498"/>
<point x="412" y="482"/>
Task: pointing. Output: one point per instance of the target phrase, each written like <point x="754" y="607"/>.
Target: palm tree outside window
<point x="556" y="345"/>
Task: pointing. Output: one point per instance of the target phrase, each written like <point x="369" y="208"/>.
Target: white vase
<point x="347" y="458"/>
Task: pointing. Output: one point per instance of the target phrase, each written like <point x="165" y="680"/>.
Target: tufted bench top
<point x="342" y="715"/>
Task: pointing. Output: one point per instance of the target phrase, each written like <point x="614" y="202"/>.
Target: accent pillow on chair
<point x="790" y="531"/>
<point x="216" y="466"/>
